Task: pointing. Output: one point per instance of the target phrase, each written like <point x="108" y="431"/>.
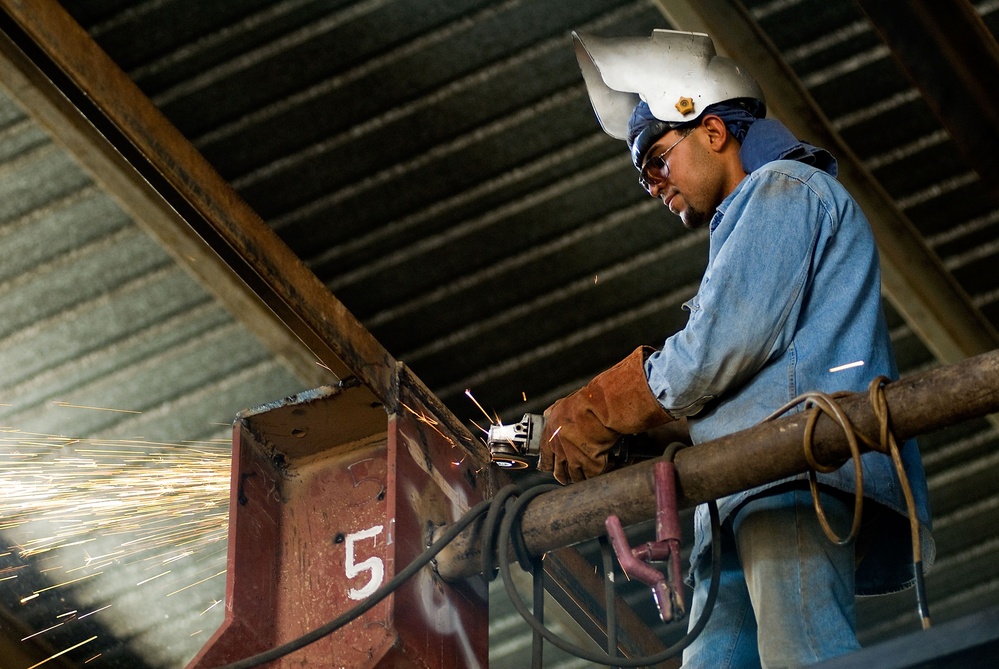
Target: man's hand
<point x="581" y="429"/>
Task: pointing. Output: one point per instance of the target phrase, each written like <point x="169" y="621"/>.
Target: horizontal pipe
<point x="767" y="452"/>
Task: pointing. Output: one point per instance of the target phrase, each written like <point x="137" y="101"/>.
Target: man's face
<point x="679" y="171"/>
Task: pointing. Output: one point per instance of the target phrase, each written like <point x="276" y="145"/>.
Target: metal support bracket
<point x="331" y="497"/>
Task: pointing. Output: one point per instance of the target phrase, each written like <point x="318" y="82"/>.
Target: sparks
<point x="213" y="605"/>
<point x="187" y="587"/>
<point x="67" y="405"/>
<point x="60" y="585"/>
<point x="147" y="503"/>
<point x="62" y="652"/>
<point x="47" y="629"/>
<point x="468" y="392"/>
<point x="427" y="420"/>
<point x="152" y="578"/>
<point x="95" y="611"/>
<point x="420" y="416"/>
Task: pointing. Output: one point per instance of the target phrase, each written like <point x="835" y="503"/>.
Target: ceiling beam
<point x="914" y="280"/>
<point x="40" y="98"/>
<point x="70" y="86"/>
<point x="85" y="100"/>
<point x="951" y="57"/>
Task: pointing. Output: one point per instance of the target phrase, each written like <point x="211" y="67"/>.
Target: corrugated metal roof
<point x="438" y="166"/>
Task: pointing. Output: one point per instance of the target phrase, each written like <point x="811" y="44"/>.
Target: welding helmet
<point x="678" y="74"/>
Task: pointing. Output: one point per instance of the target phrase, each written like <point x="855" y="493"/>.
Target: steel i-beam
<point x="331" y="496"/>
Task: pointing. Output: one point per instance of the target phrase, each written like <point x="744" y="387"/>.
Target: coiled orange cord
<point x="823" y="403"/>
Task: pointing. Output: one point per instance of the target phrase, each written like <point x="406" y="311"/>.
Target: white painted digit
<point x="373" y="564"/>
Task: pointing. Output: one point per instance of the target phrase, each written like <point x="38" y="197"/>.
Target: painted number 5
<point x="373" y="564"/>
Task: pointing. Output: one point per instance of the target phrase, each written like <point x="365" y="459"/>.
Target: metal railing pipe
<point x="764" y="453"/>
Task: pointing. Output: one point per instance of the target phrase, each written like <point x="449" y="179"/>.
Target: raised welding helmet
<point x="678" y="74"/>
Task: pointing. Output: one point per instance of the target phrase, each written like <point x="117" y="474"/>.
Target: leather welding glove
<point x="581" y="429"/>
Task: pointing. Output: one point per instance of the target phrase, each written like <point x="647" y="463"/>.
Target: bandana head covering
<point x="644" y="129"/>
<point x="762" y="140"/>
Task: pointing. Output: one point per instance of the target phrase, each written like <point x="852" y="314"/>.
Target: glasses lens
<point x="654" y="171"/>
<point x="657" y="169"/>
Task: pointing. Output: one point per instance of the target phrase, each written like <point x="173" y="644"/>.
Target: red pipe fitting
<point x="665" y="588"/>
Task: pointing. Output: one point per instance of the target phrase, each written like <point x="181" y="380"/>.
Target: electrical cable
<point x="825" y="403"/>
<point x="887" y="444"/>
<point x="500" y="501"/>
<point x="880" y="405"/>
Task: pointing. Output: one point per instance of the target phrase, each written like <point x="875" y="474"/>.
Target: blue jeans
<point x="786" y="593"/>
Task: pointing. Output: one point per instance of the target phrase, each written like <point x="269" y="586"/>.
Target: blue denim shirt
<point x="790" y="298"/>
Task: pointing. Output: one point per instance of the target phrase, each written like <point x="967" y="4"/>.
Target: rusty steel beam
<point x="329" y="500"/>
<point x="949" y="54"/>
<point x="110" y="123"/>
<point x="915" y="281"/>
<point x="766" y="452"/>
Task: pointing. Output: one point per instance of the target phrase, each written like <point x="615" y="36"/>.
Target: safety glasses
<point x="656" y="169"/>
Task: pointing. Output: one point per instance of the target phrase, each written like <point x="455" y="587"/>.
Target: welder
<point x="790" y="301"/>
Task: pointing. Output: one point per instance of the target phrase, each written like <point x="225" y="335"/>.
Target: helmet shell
<point x="678" y="74"/>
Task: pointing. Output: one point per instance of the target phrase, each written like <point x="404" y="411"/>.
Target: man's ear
<point x="717" y="132"/>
